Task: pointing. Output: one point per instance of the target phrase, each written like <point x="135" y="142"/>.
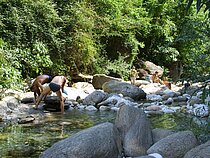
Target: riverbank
<point x="159" y="101"/>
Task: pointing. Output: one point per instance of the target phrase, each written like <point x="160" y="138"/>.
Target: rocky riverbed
<point x="114" y="95"/>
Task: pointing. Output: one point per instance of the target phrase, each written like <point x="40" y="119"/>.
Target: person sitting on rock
<point x="166" y="82"/>
<point x="56" y="85"/>
<point x="155" y="78"/>
<point x="133" y="75"/>
<point x="37" y="86"/>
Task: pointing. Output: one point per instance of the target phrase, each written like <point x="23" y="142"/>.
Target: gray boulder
<point x="160" y="133"/>
<point x="135" y="130"/>
<point x="99" y="141"/>
<point x="152" y="68"/>
<point x="175" y="145"/>
<point x="201" y="151"/>
<point x="3" y="108"/>
<point x="100" y="79"/>
<point x="12" y="102"/>
<point x="94" y="98"/>
<point x="126" y="89"/>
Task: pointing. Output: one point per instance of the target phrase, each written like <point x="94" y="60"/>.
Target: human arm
<point x="40" y="86"/>
<point x="44" y="93"/>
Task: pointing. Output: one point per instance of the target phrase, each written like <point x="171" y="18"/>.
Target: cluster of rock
<point x="130" y="136"/>
<point x="17" y="106"/>
<point x="109" y="93"/>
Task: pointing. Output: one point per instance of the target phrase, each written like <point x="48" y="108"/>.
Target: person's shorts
<point x="54" y="87"/>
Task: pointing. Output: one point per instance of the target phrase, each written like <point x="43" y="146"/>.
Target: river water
<point x="29" y="140"/>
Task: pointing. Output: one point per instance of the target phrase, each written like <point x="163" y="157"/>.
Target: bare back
<point x="60" y="80"/>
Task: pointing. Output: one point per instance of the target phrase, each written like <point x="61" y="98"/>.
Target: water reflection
<point x="29" y="140"/>
<point x="180" y="122"/>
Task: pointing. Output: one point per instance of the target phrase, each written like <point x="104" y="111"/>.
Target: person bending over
<point x="56" y="85"/>
<point x="37" y="86"/>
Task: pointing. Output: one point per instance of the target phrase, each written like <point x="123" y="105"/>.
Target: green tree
<point x="200" y="4"/>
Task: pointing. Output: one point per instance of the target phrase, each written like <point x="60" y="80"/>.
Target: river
<point x="29" y="140"/>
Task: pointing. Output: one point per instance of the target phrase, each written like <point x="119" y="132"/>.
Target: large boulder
<point x="95" y="97"/>
<point x="175" y="145"/>
<point x="126" y="89"/>
<point x="99" y="141"/>
<point x="152" y="68"/>
<point x="201" y="151"/>
<point x="160" y="133"/>
<point x="135" y="130"/>
<point x="100" y="79"/>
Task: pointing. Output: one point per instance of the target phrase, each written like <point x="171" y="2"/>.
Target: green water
<point x="29" y="140"/>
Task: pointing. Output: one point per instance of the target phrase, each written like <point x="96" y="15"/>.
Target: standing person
<point x="56" y="85"/>
<point x="133" y="75"/>
<point x="37" y="86"/>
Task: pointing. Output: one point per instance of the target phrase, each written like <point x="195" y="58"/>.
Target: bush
<point x="118" y="66"/>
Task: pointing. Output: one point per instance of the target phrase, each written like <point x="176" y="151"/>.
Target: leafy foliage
<point x="200" y="4"/>
<point x="10" y="76"/>
<point x="101" y="36"/>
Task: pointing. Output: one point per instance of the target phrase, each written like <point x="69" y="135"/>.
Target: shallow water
<point x="29" y="140"/>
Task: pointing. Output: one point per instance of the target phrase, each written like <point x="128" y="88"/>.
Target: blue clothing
<point x="54" y="87"/>
<point x="50" y="78"/>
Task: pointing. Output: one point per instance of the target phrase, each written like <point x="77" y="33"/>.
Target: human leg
<point x="60" y="96"/>
<point x="132" y="81"/>
<point x="44" y="93"/>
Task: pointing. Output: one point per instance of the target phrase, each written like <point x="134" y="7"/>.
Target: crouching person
<point x="37" y="86"/>
<point x="57" y="86"/>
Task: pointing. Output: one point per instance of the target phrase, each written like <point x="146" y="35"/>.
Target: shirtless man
<point x="56" y="85"/>
<point x="37" y="87"/>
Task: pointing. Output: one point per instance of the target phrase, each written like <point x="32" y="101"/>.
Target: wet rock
<point x="52" y="103"/>
<point x="27" y="119"/>
<point x="21" y="151"/>
<point x="27" y="100"/>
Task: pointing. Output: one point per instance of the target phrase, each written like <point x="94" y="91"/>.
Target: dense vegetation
<point x="100" y="36"/>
